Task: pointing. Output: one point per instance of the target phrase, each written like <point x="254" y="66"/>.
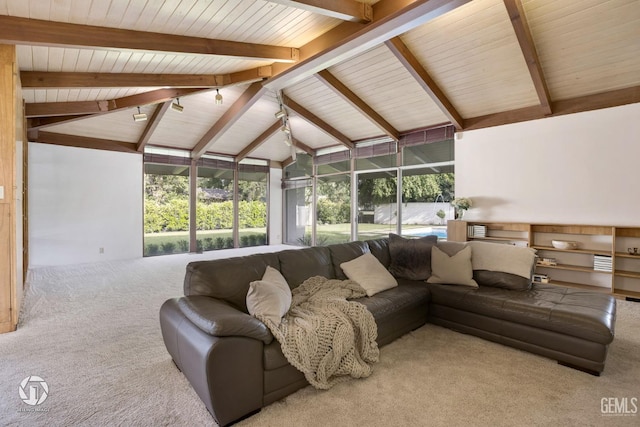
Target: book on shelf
<point x="540" y="278"/>
<point x="602" y="263"/>
<point x="547" y="262"/>
<point x="477" y="230"/>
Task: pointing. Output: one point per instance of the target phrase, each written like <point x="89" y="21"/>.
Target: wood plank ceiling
<point x="347" y="71"/>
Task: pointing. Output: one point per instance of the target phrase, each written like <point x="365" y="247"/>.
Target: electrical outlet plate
<point x="1" y="192"/>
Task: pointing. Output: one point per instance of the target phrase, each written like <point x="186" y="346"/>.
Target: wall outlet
<point x="101" y="250"/>
<point x="1" y="192"/>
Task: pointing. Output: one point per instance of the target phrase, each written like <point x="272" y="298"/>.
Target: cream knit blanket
<point x="325" y="336"/>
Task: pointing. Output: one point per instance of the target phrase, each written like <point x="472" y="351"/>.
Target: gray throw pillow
<point x="411" y="258"/>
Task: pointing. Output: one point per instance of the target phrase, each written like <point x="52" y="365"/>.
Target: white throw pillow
<point x="369" y="273"/>
<point x="269" y="298"/>
<point x="505" y="258"/>
<point x="452" y="270"/>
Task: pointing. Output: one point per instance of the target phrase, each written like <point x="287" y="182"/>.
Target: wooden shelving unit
<point x="575" y="267"/>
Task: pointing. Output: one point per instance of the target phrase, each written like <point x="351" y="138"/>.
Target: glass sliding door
<point x="214" y="205"/>
<point x="252" y="204"/>
<point x="377" y="204"/>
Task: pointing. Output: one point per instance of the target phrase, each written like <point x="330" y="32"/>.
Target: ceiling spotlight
<point x="175" y="106"/>
<point x="140" y="117"/>
<point x="285" y="129"/>
<point x="287" y="142"/>
<point x="293" y="153"/>
<point x="281" y="113"/>
<point x="218" y="97"/>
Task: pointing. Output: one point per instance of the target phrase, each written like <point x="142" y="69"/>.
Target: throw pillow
<point x="452" y="270"/>
<point x="269" y="298"/>
<point x="411" y="258"/>
<point x="369" y="273"/>
<point x="451" y="248"/>
<point x="502" y="266"/>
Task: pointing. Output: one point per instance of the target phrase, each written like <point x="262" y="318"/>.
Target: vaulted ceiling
<point x="346" y="71"/>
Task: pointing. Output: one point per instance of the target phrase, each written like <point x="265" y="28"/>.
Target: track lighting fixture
<point x="281" y="113"/>
<point x="218" y="97"/>
<point x="285" y="128"/>
<point x="139" y="117"/>
<point x="175" y="106"/>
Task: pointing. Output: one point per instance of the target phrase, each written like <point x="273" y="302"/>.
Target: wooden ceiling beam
<point x="347" y="94"/>
<point x="15" y="30"/>
<point x="47" y="80"/>
<point x="390" y="19"/>
<point x="304" y="147"/>
<point x="81" y="141"/>
<point x="37" y="123"/>
<point x="53" y="109"/>
<point x="580" y="104"/>
<point x="152" y="125"/>
<point x="417" y="71"/>
<point x="259" y="140"/>
<point x="317" y="121"/>
<point x="346" y="10"/>
<point x="521" y="28"/>
<point x="229" y="118"/>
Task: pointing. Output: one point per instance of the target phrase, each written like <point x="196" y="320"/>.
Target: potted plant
<point x="461" y="204"/>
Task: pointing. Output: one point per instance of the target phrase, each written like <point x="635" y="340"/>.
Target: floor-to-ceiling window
<point x="230" y="202"/>
<point x="298" y="201"/>
<point x="253" y="179"/>
<point x="333" y="197"/>
<point x="214" y="203"/>
<point x="166" y="204"/>
<point x="398" y="187"/>
<point x="377" y="189"/>
<point x="427" y="188"/>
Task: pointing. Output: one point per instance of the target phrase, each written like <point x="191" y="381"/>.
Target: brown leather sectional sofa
<point x="236" y="367"/>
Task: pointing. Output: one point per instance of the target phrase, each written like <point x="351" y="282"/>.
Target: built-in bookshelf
<point x="603" y="260"/>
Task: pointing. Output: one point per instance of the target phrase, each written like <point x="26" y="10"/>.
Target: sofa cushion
<point x="218" y="318"/>
<point x="227" y="279"/>
<point x="297" y="265"/>
<point x="395" y="309"/>
<point x="502" y="266"/>
<point x="453" y="270"/>
<point x="575" y="312"/>
<point x="369" y="273"/>
<point x="343" y="252"/>
<point x="380" y="249"/>
<point x="411" y="258"/>
<point x="269" y="298"/>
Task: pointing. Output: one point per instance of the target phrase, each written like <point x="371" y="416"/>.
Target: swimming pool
<point x="441" y="232"/>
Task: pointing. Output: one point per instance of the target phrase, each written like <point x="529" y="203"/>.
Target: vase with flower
<point x="461" y="204"/>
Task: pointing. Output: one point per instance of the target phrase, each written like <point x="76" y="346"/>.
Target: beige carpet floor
<point x="92" y="333"/>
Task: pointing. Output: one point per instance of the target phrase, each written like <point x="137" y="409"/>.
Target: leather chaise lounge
<point x="236" y="366"/>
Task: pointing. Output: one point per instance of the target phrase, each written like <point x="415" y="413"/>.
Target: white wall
<point x="81" y="200"/>
<point x="580" y="169"/>
<point x="275" y="206"/>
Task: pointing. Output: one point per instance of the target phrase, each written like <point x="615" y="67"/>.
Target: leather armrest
<point x="220" y="319"/>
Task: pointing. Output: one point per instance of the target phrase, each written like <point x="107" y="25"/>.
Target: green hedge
<point x="174" y="215"/>
<point x="333" y="212"/>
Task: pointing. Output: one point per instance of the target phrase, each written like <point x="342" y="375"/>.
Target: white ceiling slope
<point x="348" y="71"/>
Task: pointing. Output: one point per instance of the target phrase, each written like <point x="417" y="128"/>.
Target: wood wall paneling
<point x="8" y="74"/>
